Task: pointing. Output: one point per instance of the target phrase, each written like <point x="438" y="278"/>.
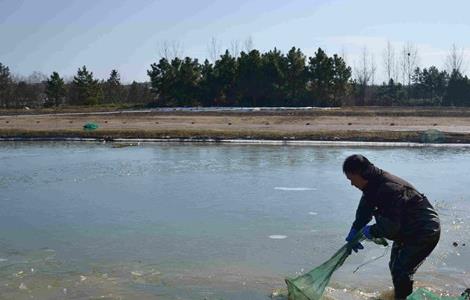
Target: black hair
<point x="356" y="164"/>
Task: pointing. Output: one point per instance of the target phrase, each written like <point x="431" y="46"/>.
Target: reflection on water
<point x="195" y="221"/>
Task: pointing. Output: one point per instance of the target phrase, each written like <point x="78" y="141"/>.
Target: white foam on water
<point x="312" y="213"/>
<point x="3" y="259"/>
<point x="278" y="237"/>
<point x="281" y="188"/>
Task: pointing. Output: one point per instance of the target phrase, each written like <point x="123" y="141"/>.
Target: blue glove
<point x="366" y="232"/>
<point x="357" y="246"/>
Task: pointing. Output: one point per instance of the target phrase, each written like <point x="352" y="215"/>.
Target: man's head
<point x="356" y="168"/>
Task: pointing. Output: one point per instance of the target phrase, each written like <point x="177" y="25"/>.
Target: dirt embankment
<point x="344" y="124"/>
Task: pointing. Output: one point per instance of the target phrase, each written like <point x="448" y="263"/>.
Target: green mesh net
<point x="311" y="285"/>
<point x="90" y="126"/>
<point x="433" y="136"/>
<point x="423" y="294"/>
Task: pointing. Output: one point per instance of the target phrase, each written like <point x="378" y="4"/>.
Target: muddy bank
<point x="214" y="135"/>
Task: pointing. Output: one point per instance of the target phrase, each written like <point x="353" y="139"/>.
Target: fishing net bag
<point x="310" y="286"/>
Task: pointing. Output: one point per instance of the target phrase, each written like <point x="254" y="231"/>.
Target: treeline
<point x="82" y="90"/>
<point x="251" y="78"/>
<point x="429" y="87"/>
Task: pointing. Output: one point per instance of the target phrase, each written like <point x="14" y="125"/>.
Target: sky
<point x="129" y="35"/>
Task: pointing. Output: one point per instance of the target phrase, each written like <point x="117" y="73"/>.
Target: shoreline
<point x="128" y="142"/>
<point x="427" y="137"/>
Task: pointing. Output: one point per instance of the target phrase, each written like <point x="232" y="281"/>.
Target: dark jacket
<point x="402" y="214"/>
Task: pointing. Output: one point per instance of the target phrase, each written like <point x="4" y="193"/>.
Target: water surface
<point x="196" y="221"/>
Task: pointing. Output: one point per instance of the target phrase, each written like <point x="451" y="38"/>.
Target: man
<point x="402" y="214"/>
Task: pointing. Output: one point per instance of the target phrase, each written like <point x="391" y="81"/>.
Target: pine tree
<point x="328" y="78"/>
<point x="187" y="82"/>
<point x="206" y="86"/>
<point x="87" y="90"/>
<point x="273" y="73"/>
<point x="296" y="77"/>
<point x="223" y="80"/>
<point x="321" y="73"/>
<point x="55" y="90"/>
<point x="162" y="79"/>
<point x="133" y="95"/>
<point x="458" y="90"/>
<point x="176" y="83"/>
<point x="113" y="90"/>
<point x="248" y="78"/>
<point x="341" y="76"/>
<point x="5" y="86"/>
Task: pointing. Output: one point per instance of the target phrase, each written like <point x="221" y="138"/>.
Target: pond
<point x="207" y="221"/>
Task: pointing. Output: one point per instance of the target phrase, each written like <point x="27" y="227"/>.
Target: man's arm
<point x="363" y="214"/>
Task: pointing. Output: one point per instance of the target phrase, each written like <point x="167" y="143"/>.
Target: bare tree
<point x="248" y="44"/>
<point x="455" y="60"/>
<point x="235" y="48"/>
<point x="365" y="73"/>
<point x="170" y="49"/>
<point x="389" y="61"/>
<point x="214" y="49"/>
<point x="396" y="71"/>
<point x="36" y="77"/>
<point x="408" y="62"/>
<point x="164" y="49"/>
<point x="373" y="69"/>
<point x="344" y="55"/>
<point x="16" y="77"/>
<point x="365" y="68"/>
